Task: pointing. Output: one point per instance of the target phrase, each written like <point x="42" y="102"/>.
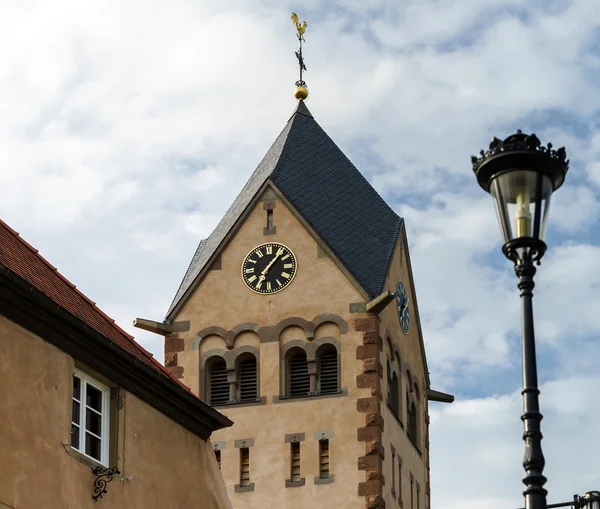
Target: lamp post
<point x="591" y="500"/>
<point x="521" y="176"/>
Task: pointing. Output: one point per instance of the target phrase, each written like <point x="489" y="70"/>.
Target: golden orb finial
<point x="301" y="93"/>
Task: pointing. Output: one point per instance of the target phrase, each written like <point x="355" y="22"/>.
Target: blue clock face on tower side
<point x="402" y="307"/>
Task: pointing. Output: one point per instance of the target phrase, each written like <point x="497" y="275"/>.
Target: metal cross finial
<point x="301" y="28"/>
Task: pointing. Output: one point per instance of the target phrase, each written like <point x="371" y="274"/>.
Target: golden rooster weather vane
<point x="301" y="92"/>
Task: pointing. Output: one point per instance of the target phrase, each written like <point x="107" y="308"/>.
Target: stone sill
<point x="86" y="460"/>
<point x="295" y="484"/>
<point x="237" y="404"/>
<point x="325" y="480"/>
<point x="243" y="489"/>
<point x="283" y="399"/>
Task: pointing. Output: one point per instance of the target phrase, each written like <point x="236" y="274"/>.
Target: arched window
<point x="394" y="396"/>
<point x="389" y="381"/>
<point x="247" y="376"/>
<point x="413" y="417"/>
<point x="217" y="386"/>
<point x="412" y="422"/>
<point x="327" y="369"/>
<point x="298" y="382"/>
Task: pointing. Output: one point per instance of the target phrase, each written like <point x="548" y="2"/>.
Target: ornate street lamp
<point x="591" y="500"/>
<point x="521" y="175"/>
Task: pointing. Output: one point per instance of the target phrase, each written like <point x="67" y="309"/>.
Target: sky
<point x="128" y="128"/>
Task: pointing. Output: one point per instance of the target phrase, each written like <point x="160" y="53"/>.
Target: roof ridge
<point x="92" y="305"/>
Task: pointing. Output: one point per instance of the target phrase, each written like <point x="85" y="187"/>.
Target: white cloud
<point x="477" y="449"/>
<point x="128" y="128"/>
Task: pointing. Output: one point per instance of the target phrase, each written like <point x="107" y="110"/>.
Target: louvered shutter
<point x="218" y="456"/>
<point x="324" y="458"/>
<point x="299" y="379"/>
<point x="219" y="388"/>
<point x="248" y="380"/>
<point x="328" y="372"/>
<point x="244" y="466"/>
<point x="295" y="461"/>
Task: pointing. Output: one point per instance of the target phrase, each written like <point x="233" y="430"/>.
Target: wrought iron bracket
<point x="103" y="477"/>
<point x="533" y="250"/>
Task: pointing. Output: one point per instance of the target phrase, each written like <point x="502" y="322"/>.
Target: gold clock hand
<point x="264" y="272"/>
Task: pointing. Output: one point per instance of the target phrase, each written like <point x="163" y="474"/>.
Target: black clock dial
<point x="402" y="307"/>
<point x="269" y="268"/>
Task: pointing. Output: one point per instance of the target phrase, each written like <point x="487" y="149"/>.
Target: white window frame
<point x="86" y="380"/>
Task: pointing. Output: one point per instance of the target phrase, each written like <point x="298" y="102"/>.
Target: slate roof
<point x="329" y="193"/>
<point x="22" y="259"/>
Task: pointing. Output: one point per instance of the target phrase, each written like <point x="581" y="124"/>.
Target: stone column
<point x="232" y="380"/>
<point x="312" y="373"/>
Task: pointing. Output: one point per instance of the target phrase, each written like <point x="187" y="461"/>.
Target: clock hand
<point x="264" y="272"/>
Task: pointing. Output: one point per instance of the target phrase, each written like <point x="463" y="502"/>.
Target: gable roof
<point x="328" y="191"/>
<point x="21" y="259"/>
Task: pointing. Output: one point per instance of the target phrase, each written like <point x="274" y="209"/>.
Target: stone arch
<point x="244" y="327"/>
<point x="292" y="320"/>
<point x="210" y="331"/>
<point x="245" y="338"/>
<point x="232" y="355"/>
<point x="333" y="318"/>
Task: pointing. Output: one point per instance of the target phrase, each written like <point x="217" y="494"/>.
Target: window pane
<point x="75" y="412"/>
<point x="76" y="388"/>
<point x="93" y="422"/>
<point x="94" y="398"/>
<point x="75" y="437"/>
<point x="92" y="446"/>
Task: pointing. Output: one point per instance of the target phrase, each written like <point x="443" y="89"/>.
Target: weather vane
<point x="301" y="90"/>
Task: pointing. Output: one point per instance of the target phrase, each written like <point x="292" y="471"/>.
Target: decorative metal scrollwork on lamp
<point x="591" y="500"/>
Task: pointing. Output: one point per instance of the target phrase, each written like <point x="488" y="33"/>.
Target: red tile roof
<point x="25" y="261"/>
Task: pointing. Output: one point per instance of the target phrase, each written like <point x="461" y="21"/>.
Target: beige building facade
<point x="89" y="419"/>
<point x="328" y="392"/>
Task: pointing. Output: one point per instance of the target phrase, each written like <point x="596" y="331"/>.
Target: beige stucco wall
<point x="170" y="467"/>
<point x="409" y="344"/>
<point x="319" y="287"/>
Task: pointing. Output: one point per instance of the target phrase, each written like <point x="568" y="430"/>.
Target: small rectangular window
<point x="90" y="419"/>
<point x="295" y="461"/>
<point x="399" y="478"/>
<point x="324" y="458"/>
<point x="218" y="456"/>
<point x="412" y="491"/>
<point x="244" y="466"/>
<point x="393" y="471"/>
<point x="418" y="496"/>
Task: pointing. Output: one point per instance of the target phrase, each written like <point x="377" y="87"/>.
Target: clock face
<point x="269" y="268"/>
<point x="402" y="307"/>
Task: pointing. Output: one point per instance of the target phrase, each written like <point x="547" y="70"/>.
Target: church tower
<point x="298" y="320"/>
